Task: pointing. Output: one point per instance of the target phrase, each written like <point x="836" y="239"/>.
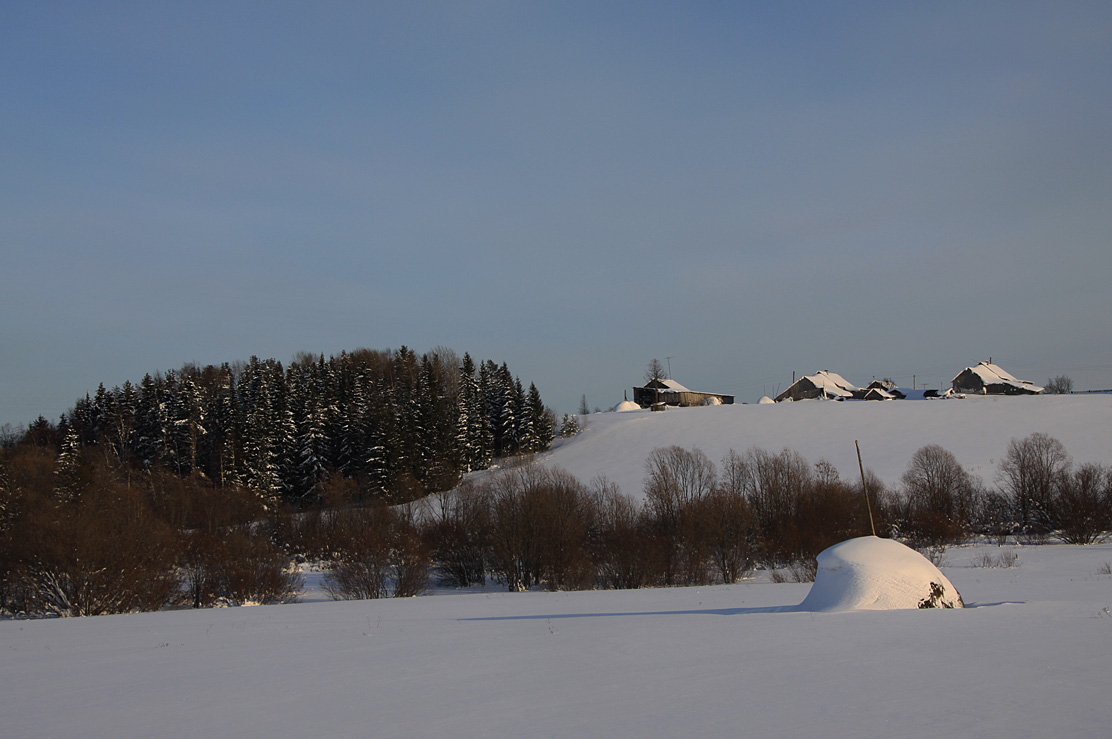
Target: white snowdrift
<point x="876" y="574"/>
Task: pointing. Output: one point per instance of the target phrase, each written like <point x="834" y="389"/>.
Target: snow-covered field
<point x="1028" y="657"/>
<point x="976" y="429"/>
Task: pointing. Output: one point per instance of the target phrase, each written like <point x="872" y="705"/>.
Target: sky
<point x="746" y="191"/>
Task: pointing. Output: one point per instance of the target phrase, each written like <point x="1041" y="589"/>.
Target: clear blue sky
<point x="751" y="189"/>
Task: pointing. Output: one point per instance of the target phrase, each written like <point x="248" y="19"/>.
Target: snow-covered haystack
<point x="876" y="574"/>
<point x="765" y="400"/>
<point x="626" y="405"/>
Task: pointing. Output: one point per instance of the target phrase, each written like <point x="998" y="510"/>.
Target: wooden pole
<point x="865" y="486"/>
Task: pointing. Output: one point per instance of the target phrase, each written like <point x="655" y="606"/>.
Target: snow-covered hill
<point x="976" y="429"/>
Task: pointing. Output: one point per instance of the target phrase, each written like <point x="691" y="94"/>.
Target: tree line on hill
<point x="81" y="534"/>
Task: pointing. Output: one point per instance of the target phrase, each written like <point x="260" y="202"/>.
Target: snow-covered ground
<point x="1028" y="657"/>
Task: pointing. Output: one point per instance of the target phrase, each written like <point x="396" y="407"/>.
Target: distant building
<point x="988" y="379"/>
<point x="672" y="393"/>
<point x="888" y="390"/>
<point x="822" y="384"/>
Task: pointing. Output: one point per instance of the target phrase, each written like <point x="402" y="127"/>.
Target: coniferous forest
<point x="397" y="424"/>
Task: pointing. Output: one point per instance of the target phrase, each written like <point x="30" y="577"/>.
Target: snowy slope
<point x="976" y="429"/>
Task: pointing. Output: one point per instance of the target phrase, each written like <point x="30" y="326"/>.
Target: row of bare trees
<point x="1038" y="493"/>
<point x="82" y="534"/>
<point x="534" y="525"/>
<point x="701" y="523"/>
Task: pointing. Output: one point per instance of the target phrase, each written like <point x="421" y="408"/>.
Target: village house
<point x="670" y="392"/>
<point x="822" y="384"/>
<point x="888" y="390"/>
<point x="988" y="379"/>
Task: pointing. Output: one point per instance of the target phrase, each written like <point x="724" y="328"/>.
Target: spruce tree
<point x="543" y="431"/>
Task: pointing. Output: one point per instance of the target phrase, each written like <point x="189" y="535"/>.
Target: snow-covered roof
<point x="834" y="384"/>
<point x="674" y="386"/>
<point x="992" y="374"/>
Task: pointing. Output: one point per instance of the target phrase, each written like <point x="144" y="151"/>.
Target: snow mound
<point x="626" y="405"/>
<point x="876" y="574"/>
<point x="765" y="400"/>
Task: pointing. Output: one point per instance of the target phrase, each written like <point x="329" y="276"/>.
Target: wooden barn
<point x="672" y="393"/>
<point x="822" y="384"/>
<point x="988" y="379"/>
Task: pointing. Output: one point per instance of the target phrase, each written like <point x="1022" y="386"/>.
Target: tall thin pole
<point x="865" y="486"/>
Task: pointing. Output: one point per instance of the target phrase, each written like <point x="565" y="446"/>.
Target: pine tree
<point x="67" y="469"/>
<point x="148" y="442"/>
<point x="261" y="455"/>
<point x="543" y="431"/>
<point x="527" y="442"/>
<point x="312" y="446"/>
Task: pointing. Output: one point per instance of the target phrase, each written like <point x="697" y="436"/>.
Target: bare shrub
<point x="103" y="552"/>
<point x="984" y="560"/>
<point x="935" y="554"/>
<point x="1105" y="569"/>
<point x="358" y="557"/>
<point x="1081" y="507"/>
<point x="460" y="534"/>
<point x="252" y="570"/>
<point x="800" y="570"/>
<point x="375" y="552"/>
<point x="1005" y="560"/>
<point x="541" y="519"/>
<point x="410" y="557"/>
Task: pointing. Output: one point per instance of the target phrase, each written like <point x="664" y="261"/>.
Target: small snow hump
<point x="870" y="573"/>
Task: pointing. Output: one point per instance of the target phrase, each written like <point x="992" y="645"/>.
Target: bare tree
<point x="677" y="477"/>
<point x="1029" y="474"/>
<point x="1060" y="385"/>
<point x="655" y="371"/>
<point x="1082" y="510"/>
<point x="939" y="497"/>
<point x="721" y="527"/>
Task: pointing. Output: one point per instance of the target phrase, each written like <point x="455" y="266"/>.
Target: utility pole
<point x="669" y="361"/>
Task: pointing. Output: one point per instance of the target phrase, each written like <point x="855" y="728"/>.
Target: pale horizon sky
<point x="752" y="189"/>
